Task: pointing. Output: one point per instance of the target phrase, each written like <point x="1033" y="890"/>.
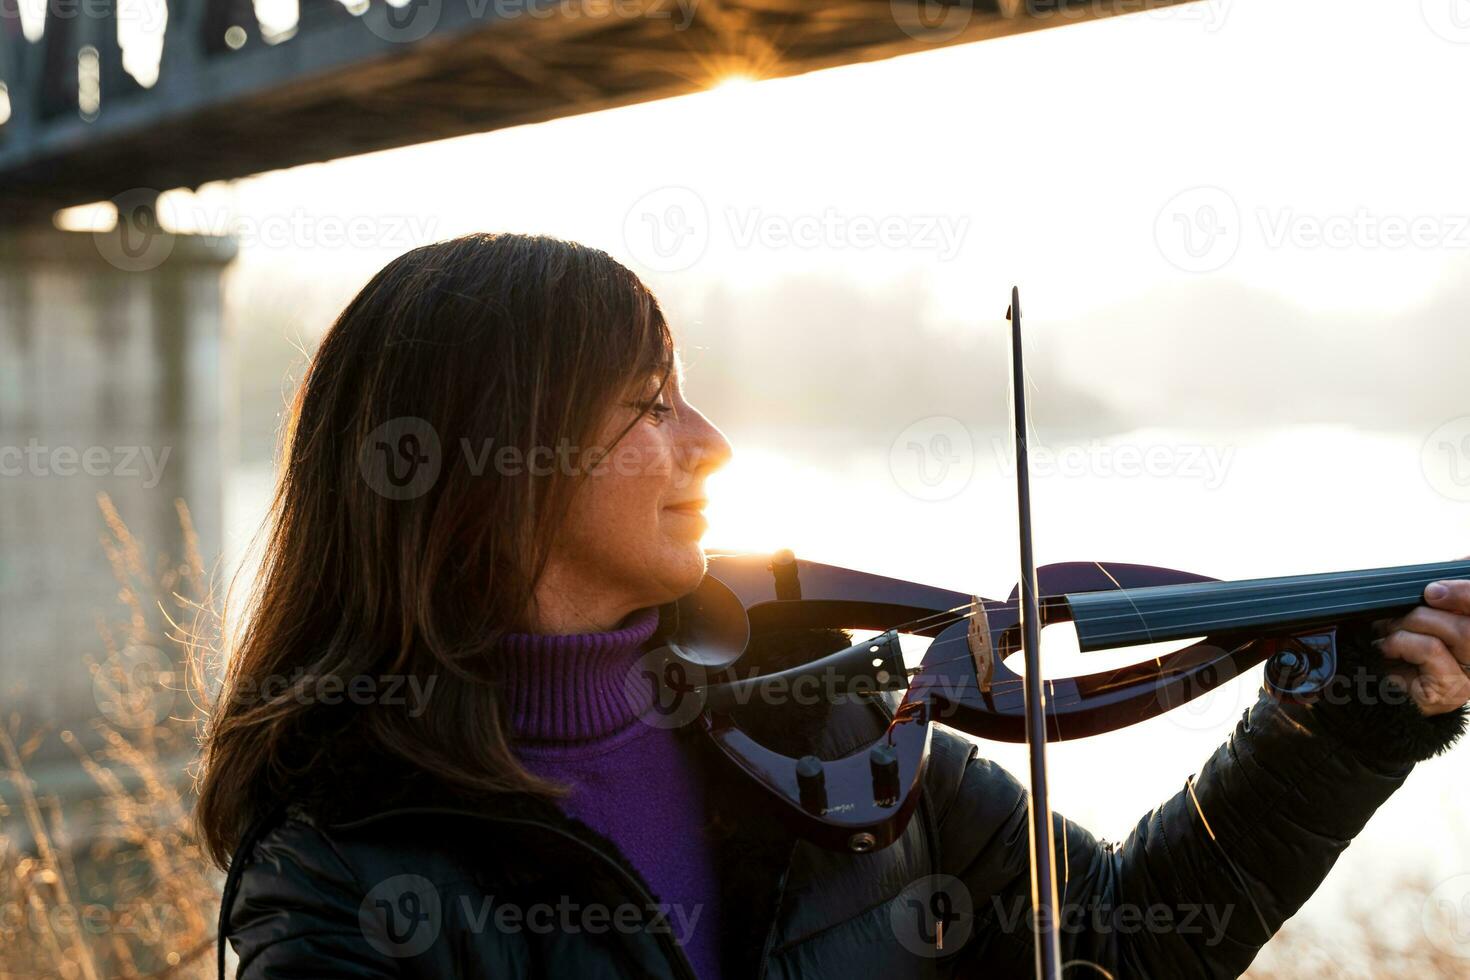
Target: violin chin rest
<point x="712" y="626"/>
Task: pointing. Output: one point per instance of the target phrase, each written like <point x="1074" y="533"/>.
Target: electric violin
<point x="964" y="681"/>
<point x="863" y="801"/>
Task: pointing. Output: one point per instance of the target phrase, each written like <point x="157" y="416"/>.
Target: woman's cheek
<point x="652" y="455"/>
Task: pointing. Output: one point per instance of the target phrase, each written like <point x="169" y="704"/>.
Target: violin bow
<point x="1043" y="866"/>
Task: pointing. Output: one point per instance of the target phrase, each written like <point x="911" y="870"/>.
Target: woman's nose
<point x="707" y="449"/>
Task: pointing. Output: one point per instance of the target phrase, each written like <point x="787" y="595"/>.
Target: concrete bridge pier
<point x="112" y="379"/>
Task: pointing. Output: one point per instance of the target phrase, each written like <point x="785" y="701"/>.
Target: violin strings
<point x="1129" y="597"/>
<point x="953" y="639"/>
<point x="958" y="614"/>
<point x="1007" y="684"/>
<point x="935" y="620"/>
<point x="917" y="671"/>
<point x="1415" y="577"/>
<point x="1386" y="578"/>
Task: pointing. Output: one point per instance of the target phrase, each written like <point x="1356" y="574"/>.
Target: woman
<point x="425" y="761"/>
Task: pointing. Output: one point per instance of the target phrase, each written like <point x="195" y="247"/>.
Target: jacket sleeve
<point x="296" y="914"/>
<point x="1205" y="879"/>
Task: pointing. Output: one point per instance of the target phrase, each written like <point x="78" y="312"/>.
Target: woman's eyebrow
<point x="648" y="388"/>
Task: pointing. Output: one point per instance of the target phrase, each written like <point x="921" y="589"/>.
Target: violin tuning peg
<point x="1300" y="667"/>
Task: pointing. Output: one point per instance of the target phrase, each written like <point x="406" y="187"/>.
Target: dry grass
<point x="1390" y="931"/>
<point x="114" y="883"/>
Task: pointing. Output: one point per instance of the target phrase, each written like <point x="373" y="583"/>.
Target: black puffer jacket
<point x="412" y="884"/>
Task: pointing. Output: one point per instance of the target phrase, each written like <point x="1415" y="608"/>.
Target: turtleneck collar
<point x="575" y="688"/>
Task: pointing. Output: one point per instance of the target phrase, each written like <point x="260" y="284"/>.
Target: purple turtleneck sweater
<point x="576" y="720"/>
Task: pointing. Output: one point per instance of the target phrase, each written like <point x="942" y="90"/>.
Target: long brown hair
<point x="404" y="538"/>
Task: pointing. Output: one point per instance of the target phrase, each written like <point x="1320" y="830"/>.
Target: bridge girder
<point x="345" y="84"/>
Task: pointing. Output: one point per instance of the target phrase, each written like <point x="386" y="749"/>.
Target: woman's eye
<point x="657" y="409"/>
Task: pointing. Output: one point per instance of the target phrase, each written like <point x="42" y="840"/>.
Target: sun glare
<point x="730" y="82"/>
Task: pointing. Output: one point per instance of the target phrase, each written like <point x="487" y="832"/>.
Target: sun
<point x="733" y="82"/>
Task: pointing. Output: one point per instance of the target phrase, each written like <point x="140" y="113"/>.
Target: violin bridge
<point x="981" y="650"/>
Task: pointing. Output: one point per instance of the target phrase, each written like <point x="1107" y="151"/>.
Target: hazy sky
<point x="1300" y="146"/>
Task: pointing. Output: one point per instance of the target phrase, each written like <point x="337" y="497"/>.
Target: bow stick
<point x="1043" y="867"/>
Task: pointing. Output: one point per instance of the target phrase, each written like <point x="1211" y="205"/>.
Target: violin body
<point x="863" y="801"/>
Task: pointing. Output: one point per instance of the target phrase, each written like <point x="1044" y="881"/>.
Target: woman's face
<point x="632" y="536"/>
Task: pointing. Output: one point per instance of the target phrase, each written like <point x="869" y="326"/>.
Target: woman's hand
<point x="1432" y="647"/>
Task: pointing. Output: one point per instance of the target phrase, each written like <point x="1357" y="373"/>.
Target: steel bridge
<point x="232" y="94"/>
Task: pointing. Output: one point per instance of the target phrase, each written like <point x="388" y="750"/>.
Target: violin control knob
<point x="811" y="781"/>
<point x="783" y="568"/>
<point x="884" y="763"/>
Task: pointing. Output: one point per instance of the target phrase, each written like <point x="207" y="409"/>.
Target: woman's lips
<point x="691" y="512"/>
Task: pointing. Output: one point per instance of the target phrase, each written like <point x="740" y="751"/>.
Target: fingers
<point x="1441" y="683"/>
<point x="1452" y="629"/>
<point x="1452" y="595"/>
<point x="1421" y="649"/>
<point x="1432" y="645"/>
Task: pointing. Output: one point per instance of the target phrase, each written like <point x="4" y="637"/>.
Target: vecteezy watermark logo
<point x="932" y="21"/>
<point x="668" y="229"/>
<point x="937" y="233"/>
<point x="569" y="918"/>
<point x="408" y="691"/>
<point x="401" y="916"/>
<point x="1450" y="19"/>
<point x="36" y="459"/>
<point x="1198" y="230"/>
<point x="1097" y="917"/>
<point x="150" y="16"/>
<point x="1446" y="916"/>
<point x="134" y="687"/>
<point x="401" y="458"/>
<point x="1201" y="229"/>
<point x="933" y="459"/>
<point x="932" y="916"/>
<point x="1445" y="459"/>
<point x="1206" y="699"/>
<point x="665" y="688"/>
<point x="1127" y="460"/>
<point x="1362" y="229"/>
<point x="149" y="922"/>
<point x="405" y="21"/>
<point x="138" y="241"/>
<point x="301" y="228"/>
<point x="1210" y="14"/>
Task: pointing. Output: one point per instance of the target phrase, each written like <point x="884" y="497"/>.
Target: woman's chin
<point x="684" y="566"/>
